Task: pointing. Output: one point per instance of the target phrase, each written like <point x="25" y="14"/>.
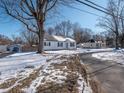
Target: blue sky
<point x="12" y="27"/>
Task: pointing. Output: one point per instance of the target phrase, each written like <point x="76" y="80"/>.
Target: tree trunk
<point x="116" y="41"/>
<point x="41" y="37"/>
<point x="122" y="41"/>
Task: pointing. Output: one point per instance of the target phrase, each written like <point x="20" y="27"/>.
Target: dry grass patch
<point x="8" y="83"/>
<point x="69" y="67"/>
<point x="72" y="67"/>
<point x="25" y="82"/>
<point x="96" y="87"/>
<point x="69" y="86"/>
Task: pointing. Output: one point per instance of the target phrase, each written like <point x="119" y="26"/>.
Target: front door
<point x="66" y="45"/>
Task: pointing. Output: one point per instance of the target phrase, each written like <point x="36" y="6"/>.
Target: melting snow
<point x="117" y="56"/>
<point x="16" y="66"/>
<point x="79" y="50"/>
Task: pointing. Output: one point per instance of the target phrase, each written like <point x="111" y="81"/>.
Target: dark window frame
<point x="60" y="44"/>
<point x="47" y="43"/>
<point x="72" y="44"/>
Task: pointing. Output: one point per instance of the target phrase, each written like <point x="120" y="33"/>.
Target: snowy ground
<point x="79" y="50"/>
<point x="20" y="65"/>
<point x="115" y="55"/>
<point x="17" y="69"/>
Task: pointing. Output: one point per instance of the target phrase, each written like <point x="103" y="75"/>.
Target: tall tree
<point x="17" y="39"/>
<point x="64" y="28"/>
<point x="29" y="37"/>
<point x="50" y="31"/>
<point x="32" y="13"/>
<point x="81" y="34"/>
<point x="122" y="24"/>
<point x="4" y="40"/>
<point x="112" y="22"/>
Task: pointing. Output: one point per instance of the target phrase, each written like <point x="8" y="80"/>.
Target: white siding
<point x="71" y="47"/>
<point x="54" y="45"/>
<point x="92" y="45"/>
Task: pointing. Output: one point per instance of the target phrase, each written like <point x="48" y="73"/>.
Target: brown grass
<point x="96" y="86"/>
<point x="8" y="83"/>
<point x="70" y="84"/>
<point x="25" y="83"/>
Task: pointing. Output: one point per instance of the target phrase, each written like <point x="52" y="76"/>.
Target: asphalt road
<point x="109" y="74"/>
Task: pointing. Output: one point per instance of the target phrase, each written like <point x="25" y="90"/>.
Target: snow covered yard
<point x="47" y="73"/>
<point x="78" y="50"/>
<point x="115" y="55"/>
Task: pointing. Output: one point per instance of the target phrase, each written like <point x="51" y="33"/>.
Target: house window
<point x="44" y="43"/>
<point x="97" y="45"/>
<point x="60" y="44"/>
<point x="47" y="44"/>
<point x="72" y="44"/>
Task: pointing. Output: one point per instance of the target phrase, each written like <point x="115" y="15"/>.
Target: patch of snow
<point x="78" y="50"/>
<point x="83" y="87"/>
<point x="21" y="54"/>
<point x="59" y="38"/>
<point x="18" y="66"/>
<point x="62" y="39"/>
<point x="117" y="56"/>
<point x="48" y="74"/>
<point x="70" y="39"/>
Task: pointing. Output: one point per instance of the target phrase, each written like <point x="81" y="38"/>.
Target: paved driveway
<point x="109" y="74"/>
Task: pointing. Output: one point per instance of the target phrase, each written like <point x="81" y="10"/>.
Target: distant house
<point x="92" y="44"/>
<point x="53" y="42"/>
<point x="14" y="48"/>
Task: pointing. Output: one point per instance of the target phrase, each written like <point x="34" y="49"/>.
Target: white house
<point x="53" y="42"/>
<point x="92" y="44"/>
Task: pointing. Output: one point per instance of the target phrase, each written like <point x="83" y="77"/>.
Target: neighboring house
<point x="53" y="42"/>
<point x="92" y="44"/>
<point x="14" y="48"/>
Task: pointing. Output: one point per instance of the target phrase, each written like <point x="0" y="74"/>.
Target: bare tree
<point x="32" y="13"/>
<point x="4" y="40"/>
<point x="122" y="24"/>
<point x="64" y="28"/>
<point x="50" y="31"/>
<point x="17" y="39"/>
<point x="112" y="22"/>
<point x="81" y="34"/>
<point x="29" y="37"/>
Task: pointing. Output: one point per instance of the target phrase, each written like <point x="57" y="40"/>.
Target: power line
<point x="96" y="8"/>
<point x="93" y="7"/>
<point x="96" y="5"/>
<point x="84" y="11"/>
